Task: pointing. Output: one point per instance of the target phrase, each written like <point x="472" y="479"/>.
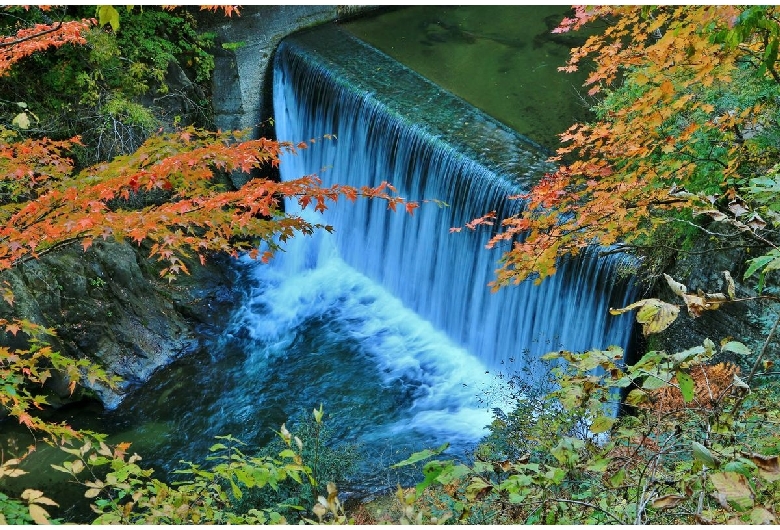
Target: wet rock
<point x="107" y="305"/>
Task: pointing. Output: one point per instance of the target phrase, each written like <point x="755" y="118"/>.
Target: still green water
<point x="502" y="59"/>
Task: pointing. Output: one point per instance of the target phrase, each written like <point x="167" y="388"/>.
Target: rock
<point x="746" y="321"/>
<point x="107" y="305"/>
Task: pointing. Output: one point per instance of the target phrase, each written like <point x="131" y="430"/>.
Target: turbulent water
<point x="388" y="322"/>
<point x="440" y="276"/>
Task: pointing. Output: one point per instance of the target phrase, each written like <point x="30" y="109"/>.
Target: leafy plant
<point x="330" y="464"/>
<point x="128" y="494"/>
<point x="697" y="445"/>
<point x="684" y="122"/>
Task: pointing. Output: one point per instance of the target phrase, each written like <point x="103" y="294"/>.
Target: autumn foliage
<point x="678" y="93"/>
<point x="40" y="37"/>
<point x="173" y="195"/>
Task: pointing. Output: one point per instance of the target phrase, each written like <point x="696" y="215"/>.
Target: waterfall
<point x="387" y="322"/>
<point x="391" y="124"/>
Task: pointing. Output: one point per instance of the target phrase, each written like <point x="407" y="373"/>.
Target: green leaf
<point x="599" y="465"/>
<point x="703" y="455"/>
<point x="686" y="385"/>
<point x="690" y="353"/>
<point x="601" y="424"/>
<point x="422" y="455"/>
<point x="108" y="15"/>
<point x="555" y="475"/>
<point x="431" y="471"/>
<point x="237" y="493"/>
<point x="657" y="380"/>
<point x="761" y="261"/>
<point x="287" y="453"/>
<point x="736" y="347"/>
<point x="617" y="479"/>
<point x="452" y="473"/>
<point x="743" y="468"/>
<point x="636" y="397"/>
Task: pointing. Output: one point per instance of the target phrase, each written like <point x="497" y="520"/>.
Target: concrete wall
<point x="242" y="88"/>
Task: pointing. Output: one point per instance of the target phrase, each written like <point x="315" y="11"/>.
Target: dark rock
<point x="702" y="269"/>
<point x="108" y="305"/>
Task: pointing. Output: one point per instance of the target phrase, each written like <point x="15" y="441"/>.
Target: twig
<point x="763" y="350"/>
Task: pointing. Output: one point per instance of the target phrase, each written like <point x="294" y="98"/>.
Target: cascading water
<point x="442" y="277"/>
<point x="388" y="322"/>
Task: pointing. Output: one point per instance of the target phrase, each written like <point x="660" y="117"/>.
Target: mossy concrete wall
<point x="243" y="62"/>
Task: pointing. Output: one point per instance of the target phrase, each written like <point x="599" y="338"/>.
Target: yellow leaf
<point x="733" y="490"/>
<point x="77" y="466"/>
<point x="46" y="500"/>
<point x="654" y="315"/>
<point x="21" y="120"/>
<point x="92" y="493"/>
<point x="38" y="514"/>
<point x="30" y="495"/>
<point x="108" y="15"/>
<point x="730" y="288"/>
<point x="601" y="424"/>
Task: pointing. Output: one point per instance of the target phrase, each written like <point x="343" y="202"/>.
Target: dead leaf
<point x="654" y="315"/>
<point x="668" y="501"/>
<point x="760" y="515"/>
<point x="733" y="490"/>
<point x="738" y="207"/>
<point x="755" y="222"/>
<point x="677" y="288"/>
<point x="38" y="514"/>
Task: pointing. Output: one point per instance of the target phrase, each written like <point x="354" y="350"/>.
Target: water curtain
<point x="389" y="123"/>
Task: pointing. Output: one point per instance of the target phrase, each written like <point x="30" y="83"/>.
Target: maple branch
<point x="629" y="247"/>
<point x="743" y="229"/>
<point x="770" y="68"/>
<point x="700" y="159"/>
<point x="53" y="29"/>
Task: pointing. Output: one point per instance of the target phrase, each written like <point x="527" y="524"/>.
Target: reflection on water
<point x="501" y="59"/>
